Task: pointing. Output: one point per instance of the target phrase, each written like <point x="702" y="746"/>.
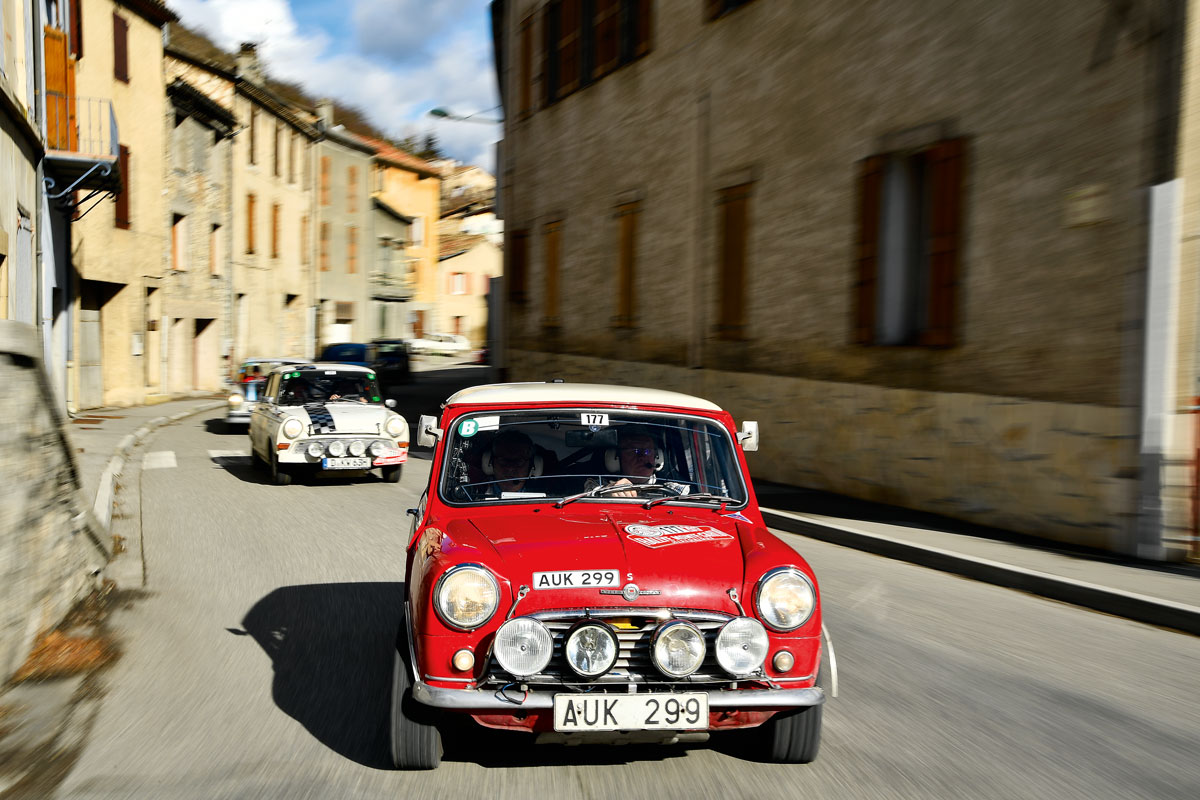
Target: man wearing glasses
<point x="512" y="462"/>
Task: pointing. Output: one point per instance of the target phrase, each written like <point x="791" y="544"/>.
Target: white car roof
<point x="333" y="365"/>
<point x="289" y="360"/>
<point x="582" y="393"/>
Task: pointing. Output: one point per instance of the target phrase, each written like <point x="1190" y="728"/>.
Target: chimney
<point x="325" y="111"/>
<point x="247" y="62"/>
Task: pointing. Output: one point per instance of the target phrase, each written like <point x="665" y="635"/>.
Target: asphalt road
<point x="257" y="665"/>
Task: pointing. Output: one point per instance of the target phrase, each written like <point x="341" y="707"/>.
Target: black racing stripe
<point x="321" y="419"/>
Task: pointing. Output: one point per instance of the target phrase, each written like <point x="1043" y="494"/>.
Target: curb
<point x="1136" y="607"/>
<point x="102" y="506"/>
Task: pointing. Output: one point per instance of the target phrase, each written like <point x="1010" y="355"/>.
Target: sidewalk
<point x="1160" y="594"/>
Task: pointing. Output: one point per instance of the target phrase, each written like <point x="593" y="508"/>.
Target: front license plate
<point x="630" y="712"/>
<point x="345" y="463"/>
<point x="574" y="578"/>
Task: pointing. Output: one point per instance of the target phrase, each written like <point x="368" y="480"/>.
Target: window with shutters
<point x="517" y="268"/>
<point x="121" y="216"/>
<point x="253" y="134"/>
<point x="568" y="46"/>
<point x="324" y="254"/>
<point x="525" y="90"/>
<point x="719" y="8"/>
<point x="343" y="313"/>
<point x="627" y="222"/>
<point x="352" y="189"/>
<point x="325" y="170"/>
<point x="251" y="200"/>
<point x="552" y="244"/>
<point x="275" y="230"/>
<point x="179" y="242"/>
<point x="584" y="40"/>
<point x="733" y="206"/>
<point x="909" y="231"/>
<point x="120" y="48"/>
<point x="606" y="28"/>
<point x="458" y="283"/>
<point x="352" y="250"/>
<point x="304" y="256"/>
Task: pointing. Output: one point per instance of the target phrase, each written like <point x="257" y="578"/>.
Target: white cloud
<point x="455" y="68"/>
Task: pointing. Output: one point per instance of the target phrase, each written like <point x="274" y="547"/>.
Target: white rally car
<point x="319" y="417"/>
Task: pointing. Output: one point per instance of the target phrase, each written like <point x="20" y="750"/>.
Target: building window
<point x="179" y="242"/>
<point x="325" y="167"/>
<point x="304" y="255"/>
<point x="324" y="254"/>
<point x="417" y="232"/>
<point x="352" y="250"/>
<point x="343" y="313"/>
<point x="292" y="158"/>
<point x="352" y="189"/>
<point x="552" y="241"/>
<point x="457" y="325"/>
<point x="458" y="283"/>
<point x="627" y="220"/>
<point x="606" y="27"/>
<point x="732" y="225"/>
<point x="275" y="230"/>
<point x="909" y="237"/>
<point x="253" y="134"/>
<point x="76" y="12"/>
<point x="517" y="268"/>
<point x="276" y="160"/>
<point x="568" y="46"/>
<point x="525" y="73"/>
<point x="250" y="202"/>
<point x="719" y="8"/>
<point x="120" y="48"/>
<point x="582" y="42"/>
<point x="214" y="250"/>
<point x="121" y="218"/>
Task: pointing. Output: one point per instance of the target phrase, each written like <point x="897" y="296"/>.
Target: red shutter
<point x="122" y="210"/>
<point x="946" y="178"/>
<point x="120" y="48"/>
<point x="870" y="194"/>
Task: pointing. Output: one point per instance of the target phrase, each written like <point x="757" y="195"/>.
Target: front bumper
<point x="484" y="700"/>
<point x="238" y="416"/>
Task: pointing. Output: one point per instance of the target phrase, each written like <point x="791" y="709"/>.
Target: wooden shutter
<point x="517" y="253"/>
<point x="568" y="47"/>
<point x="122" y="210"/>
<point x="325" y="180"/>
<point x="870" y="196"/>
<point x="352" y="250"/>
<point x="627" y="218"/>
<point x="642" y="34"/>
<point x="549" y="62"/>
<point x="275" y="230"/>
<point x="76" y="28"/>
<point x="552" y="241"/>
<point x="250" y="202"/>
<point x="734" y="205"/>
<point x="58" y="126"/>
<point x="324" y="255"/>
<point x="120" y="48"/>
<point x="606" y="30"/>
<point x="525" y="74"/>
<point x="946" y="162"/>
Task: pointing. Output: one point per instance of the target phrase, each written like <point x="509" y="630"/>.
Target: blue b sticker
<point x="468" y="429"/>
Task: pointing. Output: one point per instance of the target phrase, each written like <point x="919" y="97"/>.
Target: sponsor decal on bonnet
<point x="655" y="536"/>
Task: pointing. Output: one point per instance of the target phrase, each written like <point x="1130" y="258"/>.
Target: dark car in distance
<point x="387" y="357"/>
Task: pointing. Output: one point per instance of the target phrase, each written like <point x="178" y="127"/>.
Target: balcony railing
<point x="82" y="125"/>
<point x="396" y="280"/>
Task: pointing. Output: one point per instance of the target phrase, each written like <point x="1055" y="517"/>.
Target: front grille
<point x="634" y="663"/>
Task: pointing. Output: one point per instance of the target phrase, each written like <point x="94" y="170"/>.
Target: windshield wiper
<point x="722" y="499"/>
<point x="608" y="488"/>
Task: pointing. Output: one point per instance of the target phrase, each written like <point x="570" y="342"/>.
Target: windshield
<point x="328" y="386"/>
<point x="258" y="370"/>
<point x="617" y="455"/>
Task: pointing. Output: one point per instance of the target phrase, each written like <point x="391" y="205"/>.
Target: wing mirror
<point x="428" y="432"/>
<point x="390" y="403"/>
<point x="749" y="436"/>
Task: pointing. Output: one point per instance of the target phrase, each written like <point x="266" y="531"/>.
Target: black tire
<point x="280" y="476"/>
<point x="256" y="461"/>
<point x="392" y="474"/>
<point x="793" y="737"/>
<point x="415" y="742"/>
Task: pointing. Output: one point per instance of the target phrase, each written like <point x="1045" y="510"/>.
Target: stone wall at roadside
<point x="50" y="551"/>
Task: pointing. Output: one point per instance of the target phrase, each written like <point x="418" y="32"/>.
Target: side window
<point x="273" y="387"/>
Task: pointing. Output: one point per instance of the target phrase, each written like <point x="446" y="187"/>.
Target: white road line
<point x="215" y="454"/>
<point x="159" y="459"/>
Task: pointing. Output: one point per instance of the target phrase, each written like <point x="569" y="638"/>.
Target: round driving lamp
<point x="678" y="648"/>
<point x="357" y="448"/>
<point x="378" y="448"/>
<point x="523" y="647"/>
<point x="235" y="399"/>
<point x="315" y="449"/>
<point x="292" y="428"/>
<point x="786" y="599"/>
<point x="466" y="597"/>
<point x="337" y="449"/>
<point x="394" y="426"/>
<point x="591" y="649"/>
<point x="742" y="646"/>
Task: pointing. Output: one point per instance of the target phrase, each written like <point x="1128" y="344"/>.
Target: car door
<point x="259" y="415"/>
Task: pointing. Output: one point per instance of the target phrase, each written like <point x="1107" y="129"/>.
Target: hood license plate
<point x="577" y="579"/>
<point x="631" y="712"/>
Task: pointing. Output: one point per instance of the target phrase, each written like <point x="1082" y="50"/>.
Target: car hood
<point x="691" y="560"/>
<point x="344" y="417"/>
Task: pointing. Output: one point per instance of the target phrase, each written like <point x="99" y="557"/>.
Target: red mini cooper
<point x="589" y="564"/>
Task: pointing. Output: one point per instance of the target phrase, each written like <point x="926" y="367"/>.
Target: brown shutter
<point x="568" y="47"/>
<point x="734" y="232"/>
<point x="549" y="60"/>
<point x="525" y="74"/>
<point x="325" y="180"/>
<point x="553" y="239"/>
<point x="324" y="256"/>
<point x="946" y="177"/>
<point x="122" y="210"/>
<point x="627" y="216"/>
<point x="352" y="192"/>
<point x="642" y="35"/>
<point x="76" y="28"/>
<point x="518" y="254"/>
<point x="275" y="230"/>
<point x="120" y="48"/>
<point x="250" y="201"/>
<point x="870" y="195"/>
<point x="606" y="29"/>
<point x="352" y="250"/>
<point x="58" y="128"/>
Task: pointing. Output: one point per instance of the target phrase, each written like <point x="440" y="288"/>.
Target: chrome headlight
<point x="395" y="426"/>
<point x="591" y="649"/>
<point x="235" y="399"/>
<point x="523" y="647"/>
<point x="466" y="596"/>
<point x="316" y="449"/>
<point x="292" y="428"/>
<point x="678" y="648"/>
<point x="785" y="599"/>
<point x="357" y="448"/>
<point x="742" y="646"/>
<point x="378" y="448"/>
<point x="337" y="449"/>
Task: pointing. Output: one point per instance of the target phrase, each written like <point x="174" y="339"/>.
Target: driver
<point x="348" y="389"/>
<point x="635" y="451"/>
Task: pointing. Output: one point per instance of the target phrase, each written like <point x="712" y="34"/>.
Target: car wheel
<point x="280" y="475"/>
<point x="415" y="743"/>
<point x="257" y="461"/>
<point x="793" y="737"/>
<point x="392" y="474"/>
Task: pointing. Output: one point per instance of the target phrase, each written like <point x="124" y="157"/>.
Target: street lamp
<point x="442" y="113"/>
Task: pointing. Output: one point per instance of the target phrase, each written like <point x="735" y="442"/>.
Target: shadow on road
<point x="218" y="426"/>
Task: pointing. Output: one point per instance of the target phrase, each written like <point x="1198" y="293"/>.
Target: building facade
<point x="393" y="274"/>
<point x="945" y="276"/>
<point x="465" y="270"/>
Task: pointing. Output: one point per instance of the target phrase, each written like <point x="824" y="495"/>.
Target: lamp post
<point x="442" y="113"/>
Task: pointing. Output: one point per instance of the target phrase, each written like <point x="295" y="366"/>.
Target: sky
<point x="392" y="59"/>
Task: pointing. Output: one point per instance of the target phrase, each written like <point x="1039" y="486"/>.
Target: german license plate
<point x="630" y="712"/>
<point x="345" y="463"/>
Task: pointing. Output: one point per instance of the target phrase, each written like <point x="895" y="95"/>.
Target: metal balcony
<point x="394" y="281"/>
<point x="82" y="146"/>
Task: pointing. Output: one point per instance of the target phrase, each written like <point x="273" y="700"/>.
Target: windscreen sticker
<point x="468" y="428"/>
<point x="488" y="423"/>
<point x="655" y="536"/>
<point x="593" y="421"/>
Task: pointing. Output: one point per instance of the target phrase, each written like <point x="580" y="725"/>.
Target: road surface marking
<point x="159" y="459"/>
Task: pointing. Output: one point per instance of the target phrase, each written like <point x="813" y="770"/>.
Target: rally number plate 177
<point x="630" y="712"/>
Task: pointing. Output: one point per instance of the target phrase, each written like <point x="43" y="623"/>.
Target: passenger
<point x="512" y="462"/>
